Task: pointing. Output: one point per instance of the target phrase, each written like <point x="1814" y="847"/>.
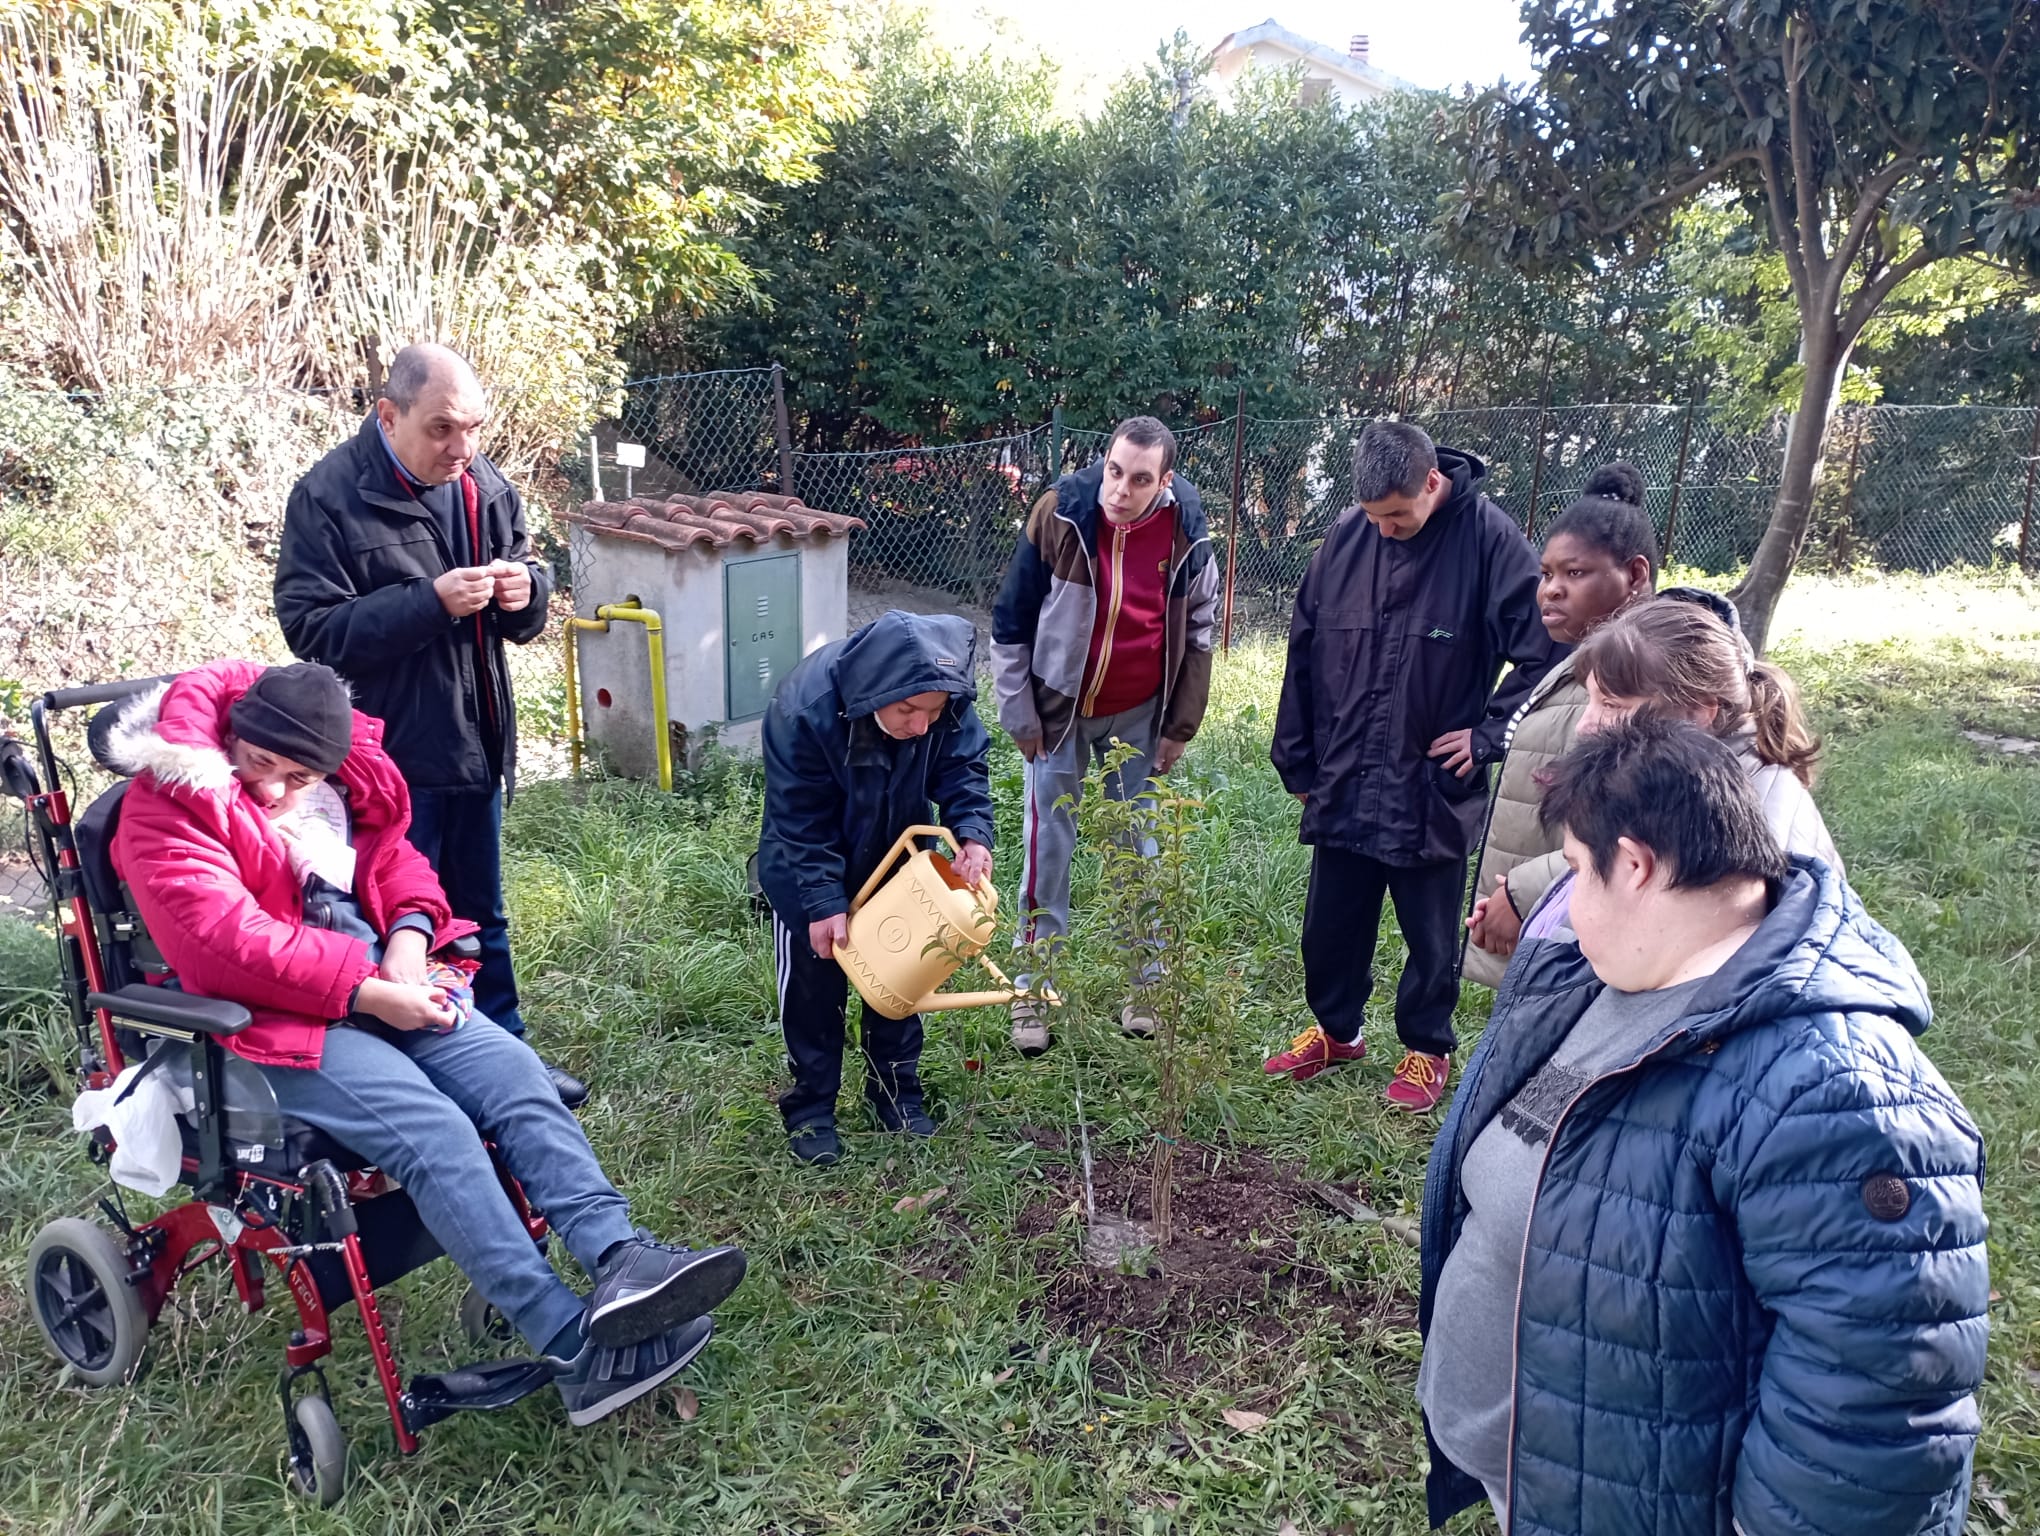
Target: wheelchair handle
<point x="100" y="693"/>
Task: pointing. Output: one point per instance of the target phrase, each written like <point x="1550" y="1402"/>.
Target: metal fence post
<point x="595" y="466"/>
<point x="1055" y="442"/>
<point x="2032" y="469"/>
<point x="1537" y="449"/>
<point x="781" y="432"/>
<point x="1232" y="531"/>
<point x="1679" y="477"/>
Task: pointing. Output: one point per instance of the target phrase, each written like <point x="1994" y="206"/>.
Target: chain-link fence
<point x="137" y="537"/>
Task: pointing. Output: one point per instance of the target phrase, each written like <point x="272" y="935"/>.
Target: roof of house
<point x="1320" y="54"/>
<point x="718" y="519"/>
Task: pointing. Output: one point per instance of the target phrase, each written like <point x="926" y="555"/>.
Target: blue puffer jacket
<point x="838" y="790"/>
<point x="1754" y="1285"/>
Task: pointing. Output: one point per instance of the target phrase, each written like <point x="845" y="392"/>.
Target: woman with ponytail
<point x="1676" y="658"/>
<point x="1600" y="556"/>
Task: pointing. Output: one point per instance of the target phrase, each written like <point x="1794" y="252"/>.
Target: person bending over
<point x="1703" y="1232"/>
<point x="861" y="736"/>
<point x="264" y="841"/>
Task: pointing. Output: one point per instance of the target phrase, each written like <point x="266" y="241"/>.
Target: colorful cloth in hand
<point x="458" y="984"/>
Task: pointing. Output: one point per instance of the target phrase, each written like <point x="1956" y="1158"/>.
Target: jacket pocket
<point x="384" y="556"/>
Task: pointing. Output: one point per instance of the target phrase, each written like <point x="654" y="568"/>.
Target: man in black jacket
<point x="404" y="567"/>
<point x="1389" y="716"/>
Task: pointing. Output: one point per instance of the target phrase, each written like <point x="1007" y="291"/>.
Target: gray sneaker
<point x="1137" y="1019"/>
<point x="598" y="1381"/>
<point x="1030" y="1027"/>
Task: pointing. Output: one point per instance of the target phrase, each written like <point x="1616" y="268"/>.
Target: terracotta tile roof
<point x="718" y="519"/>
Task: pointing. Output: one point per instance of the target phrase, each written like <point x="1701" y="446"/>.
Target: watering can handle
<point x="904" y="843"/>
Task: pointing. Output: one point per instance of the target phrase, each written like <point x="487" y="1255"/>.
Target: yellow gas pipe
<point x="626" y="612"/>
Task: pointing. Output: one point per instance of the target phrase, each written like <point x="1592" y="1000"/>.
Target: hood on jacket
<point x="177" y="731"/>
<point x="1817" y="951"/>
<point x="1467" y="472"/>
<point x="898" y="655"/>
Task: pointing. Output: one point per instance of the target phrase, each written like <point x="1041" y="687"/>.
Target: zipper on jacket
<point x="1119" y="533"/>
<point x="1523" y="1260"/>
<point x="1091" y="565"/>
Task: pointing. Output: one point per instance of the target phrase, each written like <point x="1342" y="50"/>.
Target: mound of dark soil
<point x="1232" y="1259"/>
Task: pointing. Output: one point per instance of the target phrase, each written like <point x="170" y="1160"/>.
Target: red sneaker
<point x="1419" y="1082"/>
<point x="1310" y="1053"/>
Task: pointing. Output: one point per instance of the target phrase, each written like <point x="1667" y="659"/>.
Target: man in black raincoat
<point x="1388" y="720"/>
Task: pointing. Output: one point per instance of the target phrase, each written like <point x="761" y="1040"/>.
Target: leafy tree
<point x="1428" y="324"/>
<point x="654" y="124"/>
<point x="966" y="260"/>
<point x="1870" y="139"/>
<point x="1949" y="334"/>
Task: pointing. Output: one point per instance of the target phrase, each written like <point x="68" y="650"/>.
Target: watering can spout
<point x="909" y="934"/>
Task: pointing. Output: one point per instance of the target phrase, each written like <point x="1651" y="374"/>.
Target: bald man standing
<point x="404" y="567"/>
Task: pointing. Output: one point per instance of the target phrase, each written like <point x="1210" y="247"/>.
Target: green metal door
<point x="761" y="620"/>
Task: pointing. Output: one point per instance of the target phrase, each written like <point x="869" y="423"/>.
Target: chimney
<point x="1357" y="49"/>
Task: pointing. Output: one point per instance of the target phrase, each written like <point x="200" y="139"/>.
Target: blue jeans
<point x="461" y="836"/>
<point x="417" y="1105"/>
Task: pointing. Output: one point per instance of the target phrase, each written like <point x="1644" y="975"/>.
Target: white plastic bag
<point x="148" y="1154"/>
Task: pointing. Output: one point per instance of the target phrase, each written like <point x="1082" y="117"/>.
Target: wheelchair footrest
<point x="487" y="1384"/>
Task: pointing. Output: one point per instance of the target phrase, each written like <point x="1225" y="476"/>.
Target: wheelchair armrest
<point x="466" y="947"/>
<point x="140" y="1003"/>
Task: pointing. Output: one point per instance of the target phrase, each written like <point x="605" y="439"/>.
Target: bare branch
<point x="1874" y="293"/>
<point x="1869" y="203"/>
<point x="1782" y="226"/>
<point x="1678" y="193"/>
<point x="1805" y="185"/>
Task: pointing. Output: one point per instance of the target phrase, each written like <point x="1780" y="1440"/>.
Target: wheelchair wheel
<point x="480" y="1320"/>
<point x="88" y="1313"/>
<point x="318" y="1452"/>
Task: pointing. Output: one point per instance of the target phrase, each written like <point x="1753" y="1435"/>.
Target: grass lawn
<point x="957" y="1368"/>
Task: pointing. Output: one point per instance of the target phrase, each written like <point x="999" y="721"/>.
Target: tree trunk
<point x="1756" y="595"/>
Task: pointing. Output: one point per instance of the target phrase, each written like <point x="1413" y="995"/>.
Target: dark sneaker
<point x="598" y="1381"/>
<point x="647" y="1287"/>
<point x="816" y="1145"/>
<point x="572" y="1091"/>
<point x="910" y="1118"/>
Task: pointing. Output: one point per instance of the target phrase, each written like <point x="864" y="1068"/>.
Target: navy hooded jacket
<point x="1754" y="1285"/>
<point x="838" y="790"/>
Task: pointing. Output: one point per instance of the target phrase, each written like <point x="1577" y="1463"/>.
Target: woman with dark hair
<point x="1599" y="557"/>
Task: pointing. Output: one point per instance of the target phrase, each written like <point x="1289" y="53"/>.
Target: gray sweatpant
<point x="1049" y="830"/>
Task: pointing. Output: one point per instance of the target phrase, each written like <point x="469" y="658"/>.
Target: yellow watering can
<point x="908" y="937"/>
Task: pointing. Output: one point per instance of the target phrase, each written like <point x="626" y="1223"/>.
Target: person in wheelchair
<point x="263" y="840"/>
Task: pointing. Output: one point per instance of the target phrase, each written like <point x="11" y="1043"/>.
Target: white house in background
<point x="1347" y="78"/>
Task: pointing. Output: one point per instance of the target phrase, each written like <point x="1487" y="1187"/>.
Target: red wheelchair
<point x="269" y="1196"/>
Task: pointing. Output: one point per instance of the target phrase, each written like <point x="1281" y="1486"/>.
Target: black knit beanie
<point x="301" y="712"/>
